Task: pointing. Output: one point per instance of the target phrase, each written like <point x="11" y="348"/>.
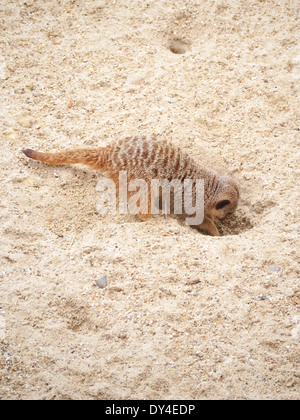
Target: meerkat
<point x="149" y="158"/>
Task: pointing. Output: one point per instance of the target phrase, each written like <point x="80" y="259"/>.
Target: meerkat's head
<point x="225" y="198"/>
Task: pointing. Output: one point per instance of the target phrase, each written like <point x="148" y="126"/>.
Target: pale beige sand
<point x="184" y="315"/>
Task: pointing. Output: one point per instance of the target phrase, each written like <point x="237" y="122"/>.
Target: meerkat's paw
<point x="143" y="217"/>
<point x="209" y="226"/>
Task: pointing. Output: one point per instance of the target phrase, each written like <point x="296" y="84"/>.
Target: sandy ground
<point x="183" y="315"/>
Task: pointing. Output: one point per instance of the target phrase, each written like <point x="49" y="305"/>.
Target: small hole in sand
<point x="177" y="46"/>
<point x="245" y="218"/>
<point x="235" y="224"/>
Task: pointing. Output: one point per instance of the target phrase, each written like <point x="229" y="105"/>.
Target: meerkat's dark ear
<point x="222" y="204"/>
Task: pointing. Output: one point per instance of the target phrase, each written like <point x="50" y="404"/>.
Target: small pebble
<point x="274" y="268"/>
<point x="11" y="134"/>
<point x="25" y="122"/>
<point x="102" y="283"/>
<point x="193" y="281"/>
<point x="30" y="85"/>
<point x="70" y="103"/>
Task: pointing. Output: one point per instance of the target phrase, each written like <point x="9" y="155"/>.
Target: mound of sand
<point x="183" y="315"/>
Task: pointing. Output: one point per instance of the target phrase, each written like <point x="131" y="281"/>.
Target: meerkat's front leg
<point x="209" y="226"/>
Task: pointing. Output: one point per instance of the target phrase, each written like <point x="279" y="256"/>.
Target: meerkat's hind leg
<point x="139" y="202"/>
<point x="209" y="226"/>
<point x="145" y="216"/>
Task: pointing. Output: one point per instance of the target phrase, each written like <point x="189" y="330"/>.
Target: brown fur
<point x="148" y="158"/>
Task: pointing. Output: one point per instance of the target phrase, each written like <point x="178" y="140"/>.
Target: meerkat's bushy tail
<point x="91" y="157"/>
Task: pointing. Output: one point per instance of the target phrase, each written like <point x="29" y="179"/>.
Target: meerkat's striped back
<point x="148" y="157"/>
